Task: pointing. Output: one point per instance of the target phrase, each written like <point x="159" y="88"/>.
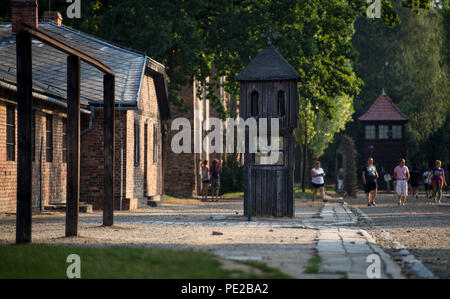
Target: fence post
<point x="249" y="191"/>
<point x="73" y="140"/>
<point x="108" y="118"/>
<point x="24" y="125"/>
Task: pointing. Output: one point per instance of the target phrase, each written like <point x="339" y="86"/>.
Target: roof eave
<point x="158" y="72"/>
<point x="241" y="79"/>
<point x="385" y="120"/>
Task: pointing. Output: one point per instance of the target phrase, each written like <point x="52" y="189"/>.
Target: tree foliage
<point x="407" y="61"/>
<point x="190" y="37"/>
<point x="445" y="27"/>
<point x="320" y="128"/>
<point x="214" y="38"/>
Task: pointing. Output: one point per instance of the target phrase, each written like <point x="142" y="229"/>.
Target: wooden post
<point x="24" y="121"/>
<point x="73" y="141"/>
<point x="108" y="118"/>
<point x="249" y="192"/>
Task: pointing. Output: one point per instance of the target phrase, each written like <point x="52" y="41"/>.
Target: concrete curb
<point x="392" y="269"/>
<point x="407" y="258"/>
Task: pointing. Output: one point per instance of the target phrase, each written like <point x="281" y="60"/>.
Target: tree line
<point x="343" y="57"/>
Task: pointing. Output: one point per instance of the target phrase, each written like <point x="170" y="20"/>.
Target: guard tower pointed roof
<point x="269" y="64"/>
<point x="383" y="109"/>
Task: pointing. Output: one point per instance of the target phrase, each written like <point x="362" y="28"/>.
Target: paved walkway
<point x="348" y="250"/>
<point x="415" y="235"/>
<point x="328" y="230"/>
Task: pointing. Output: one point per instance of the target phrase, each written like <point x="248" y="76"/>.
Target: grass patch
<point x="299" y="194"/>
<point x="343" y="274"/>
<point x="308" y="192"/>
<point x="232" y="194"/>
<point x="266" y="269"/>
<point x="44" y="261"/>
<point x="172" y="197"/>
<point x="313" y="265"/>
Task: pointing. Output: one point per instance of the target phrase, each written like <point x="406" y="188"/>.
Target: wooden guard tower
<point x="268" y="89"/>
<point x="384" y="134"/>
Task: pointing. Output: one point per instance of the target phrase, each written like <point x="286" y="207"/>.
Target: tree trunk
<point x="305" y="153"/>
<point x="310" y="166"/>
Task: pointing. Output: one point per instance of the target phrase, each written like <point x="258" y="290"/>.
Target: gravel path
<point x="217" y="227"/>
<point x="421" y="227"/>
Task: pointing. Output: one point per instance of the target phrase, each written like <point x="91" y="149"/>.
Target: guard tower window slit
<point x="254" y="103"/>
<point x="281" y="103"/>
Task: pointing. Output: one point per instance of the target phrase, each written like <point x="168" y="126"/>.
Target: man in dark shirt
<point x="369" y="177"/>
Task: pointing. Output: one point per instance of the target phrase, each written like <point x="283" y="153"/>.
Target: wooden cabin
<point x="268" y="89"/>
<point x="384" y="134"/>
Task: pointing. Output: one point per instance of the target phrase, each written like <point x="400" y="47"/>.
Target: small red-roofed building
<point x="384" y="134"/>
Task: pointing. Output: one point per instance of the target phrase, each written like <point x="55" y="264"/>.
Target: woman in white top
<point x="317" y="175"/>
<point x="206" y="180"/>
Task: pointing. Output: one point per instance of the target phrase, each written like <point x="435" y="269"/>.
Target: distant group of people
<point x="211" y="177"/>
<point x="434" y="180"/>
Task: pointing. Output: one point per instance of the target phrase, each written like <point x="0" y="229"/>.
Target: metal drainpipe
<point x="41" y="207"/>
<point x="121" y="158"/>
<point x="91" y="117"/>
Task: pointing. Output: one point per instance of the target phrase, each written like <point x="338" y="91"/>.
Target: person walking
<point x="215" y="178"/>
<point x="369" y="178"/>
<point x="415" y="177"/>
<point x="401" y="176"/>
<point x="341" y="179"/>
<point x="438" y="181"/>
<point x="318" y="183"/>
<point x="388" y="178"/>
<point x="427" y="182"/>
<point x="205" y="180"/>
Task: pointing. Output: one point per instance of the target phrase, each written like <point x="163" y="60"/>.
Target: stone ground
<point x="329" y="230"/>
<point x="283" y="244"/>
<point x="420" y="227"/>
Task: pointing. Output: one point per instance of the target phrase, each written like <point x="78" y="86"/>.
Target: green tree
<point x="445" y="27"/>
<point x="318" y="130"/>
<point x="189" y="37"/>
<point x="326" y="127"/>
<point x="405" y="60"/>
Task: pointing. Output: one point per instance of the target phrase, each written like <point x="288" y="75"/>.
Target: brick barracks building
<point x="141" y="111"/>
<point x="182" y="172"/>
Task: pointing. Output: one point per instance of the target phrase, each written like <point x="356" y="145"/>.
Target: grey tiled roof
<point x="49" y="64"/>
<point x="268" y="65"/>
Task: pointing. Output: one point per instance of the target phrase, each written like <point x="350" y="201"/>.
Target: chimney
<point x="53" y="16"/>
<point x="24" y="11"/>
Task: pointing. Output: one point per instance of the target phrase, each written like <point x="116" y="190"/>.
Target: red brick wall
<point x="145" y="179"/>
<point x="92" y="160"/>
<point x="181" y="170"/>
<point x="8" y="169"/>
<point x="53" y="173"/>
<point x="135" y="187"/>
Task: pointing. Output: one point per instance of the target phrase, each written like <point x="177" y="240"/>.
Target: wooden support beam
<point x="63" y="47"/>
<point x="73" y="141"/>
<point x="108" y="127"/>
<point x="24" y="121"/>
